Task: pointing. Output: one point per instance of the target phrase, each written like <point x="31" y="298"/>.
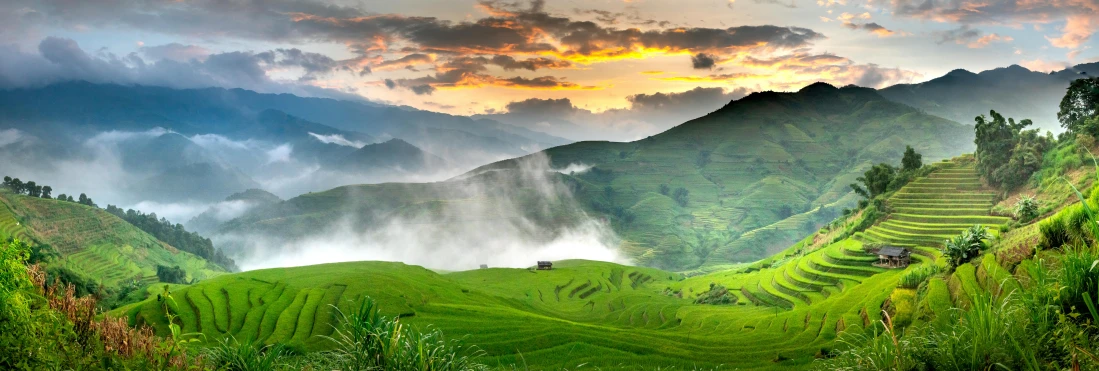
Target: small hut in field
<point x="894" y="257"/>
<point x="545" y="265"/>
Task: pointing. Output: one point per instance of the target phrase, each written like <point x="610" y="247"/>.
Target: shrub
<point x="966" y="246"/>
<point x="718" y="295"/>
<point x="1026" y="208"/>
<point x="1079" y="278"/>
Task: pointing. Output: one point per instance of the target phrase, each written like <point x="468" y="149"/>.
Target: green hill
<point x="94" y="244"/>
<point x="771" y="167"/>
<point x="786" y="310"/>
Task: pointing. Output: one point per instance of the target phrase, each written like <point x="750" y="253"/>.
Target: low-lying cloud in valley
<point x="502" y="218"/>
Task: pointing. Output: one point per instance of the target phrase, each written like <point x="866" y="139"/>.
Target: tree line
<point x="30" y="188"/>
<point x="174" y="234"/>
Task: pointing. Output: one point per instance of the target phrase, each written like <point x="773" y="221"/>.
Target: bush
<point x="718" y="295"/>
<point x="1026" y="208"/>
<point x="966" y="246"/>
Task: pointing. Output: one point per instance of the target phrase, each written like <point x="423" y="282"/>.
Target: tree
<point x="785" y="211"/>
<point x="966" y="246"/>
<point x="32" y="189"/>
<point x="16" y="186"/>
<point x="876" y="181"/>
<point x="7" y="181"/>
<point x="1080" y="103"/>
<point x="62" y="197"/>
<point x="46" y="191"/>
<point x="1007" y="155"/>
<point x="912" y="160"/>
<point x="664" y="189"/>
<point x="681" y="196"/>
<point x="83" y="199"/>
<point x="608" y="192"/>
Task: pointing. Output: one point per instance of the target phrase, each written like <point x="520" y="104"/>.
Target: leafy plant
<point x="366" y="340"/>
<point x="233" y="355"/>
<point x="1026" y="208"/>
<point x="966" y="246"/>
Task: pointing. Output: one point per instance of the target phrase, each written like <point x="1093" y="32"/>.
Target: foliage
<point x="171" y="274"/>
<point x="966" y="246"/>
<point x="875" y="181"/>
<point x="233" y="355"/>
<point x="29" y="188"/>
<point x="15" y="313"/>
<point x="1007" y="155"/>
<point x="366" y="340"/>
<point x="916" y="277"/>
<point x="911" y="161"/>
<point x="175" y="235"/>
<point x="1026" y="208"/>
<point x="717" y="295"/>
<point x="681" y="196"/>
<point x="1080" y="106"/>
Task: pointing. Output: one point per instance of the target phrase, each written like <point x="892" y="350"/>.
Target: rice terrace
<point x="543" y="185"/>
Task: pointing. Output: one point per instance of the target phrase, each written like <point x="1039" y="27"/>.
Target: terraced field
<point x="787" y="309"/>
<point x="930" y="210"/>
<point x="94" y="243"/>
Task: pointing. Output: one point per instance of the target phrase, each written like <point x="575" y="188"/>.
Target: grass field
<point x="606" y="315"/>
<point x="94" y="243"/>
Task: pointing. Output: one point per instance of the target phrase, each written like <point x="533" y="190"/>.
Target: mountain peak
<point x="818" y="87"/>
<point x="961" y="72"/>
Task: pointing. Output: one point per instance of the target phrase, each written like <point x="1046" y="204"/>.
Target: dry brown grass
<point x="112" y="335"/>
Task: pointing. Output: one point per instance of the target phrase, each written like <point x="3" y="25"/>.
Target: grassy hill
<point x="93" y="243"/>
<point x="787" y="310"/>
<point x="764" y="171"/>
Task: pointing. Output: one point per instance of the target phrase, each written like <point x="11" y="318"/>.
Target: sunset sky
<point x="470" y="57"/>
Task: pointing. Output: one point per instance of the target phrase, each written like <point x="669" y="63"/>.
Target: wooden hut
<point x="894" y="257"/>
<point x="545" y="265"/>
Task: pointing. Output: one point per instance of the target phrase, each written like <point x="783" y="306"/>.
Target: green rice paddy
<point x="605" y="315"/>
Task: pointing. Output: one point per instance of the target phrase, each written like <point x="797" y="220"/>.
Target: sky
<point x="471" y="57"/>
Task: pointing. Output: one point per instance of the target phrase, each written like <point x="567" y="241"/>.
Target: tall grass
<point x="918" y="276"/>
<point x="233" y="355"/>
<point x="366" y="340"/>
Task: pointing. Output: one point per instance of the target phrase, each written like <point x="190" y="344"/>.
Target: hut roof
<point x="893" y="251"/>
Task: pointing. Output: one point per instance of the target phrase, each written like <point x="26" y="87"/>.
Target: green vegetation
<point x="91" y="248"/>
<point x="966" y="246"/>
<point x="1007" y="155"/>
<point x="734" y="186"/>
<point x="175" y="235"/>
<point x="781" y="312"/>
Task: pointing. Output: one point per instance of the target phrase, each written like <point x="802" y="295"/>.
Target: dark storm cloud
<point x="61" y="59"/>
<point x="702" y="61"/>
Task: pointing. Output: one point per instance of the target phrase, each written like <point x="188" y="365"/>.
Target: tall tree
<point x="32" y="189"/>
<point x="911" y="160"/>
<point x="46" y="190"/>
<point x="1080" y="103"/>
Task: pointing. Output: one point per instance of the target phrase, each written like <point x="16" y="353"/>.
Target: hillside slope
<point x="751" y="165"/>
<point x="777" y="165"/>
<point x="785" y="311"/>
<point x="94" y="243"/>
